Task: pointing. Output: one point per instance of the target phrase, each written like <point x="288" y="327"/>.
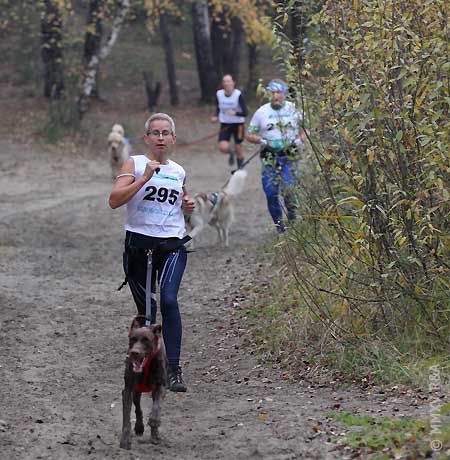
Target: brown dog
<point x="145" y="371"/>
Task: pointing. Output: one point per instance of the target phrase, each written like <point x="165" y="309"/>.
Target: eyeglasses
<point x="157" y="133"/>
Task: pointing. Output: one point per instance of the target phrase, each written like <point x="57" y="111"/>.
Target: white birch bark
<point x="92" y="66"/>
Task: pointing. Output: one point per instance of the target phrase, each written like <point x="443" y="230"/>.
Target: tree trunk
<point x="202" y="42"/>
<point x="170" y="61"/>
<point x="92" y="66"/>
<point x="151" y="90"/>
<point x="252" y="82"/>
<point x="218" y="45"/>
<point x="237" y="36"/>
<point x="226" y="40"/>
<point x="297" y="31"/>
<point x="51" y="51"/>
<point x="93" y="36"/>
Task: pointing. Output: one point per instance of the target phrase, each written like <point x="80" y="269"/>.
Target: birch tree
<point x="93" y="37"/>
<point x="91" y="68"/>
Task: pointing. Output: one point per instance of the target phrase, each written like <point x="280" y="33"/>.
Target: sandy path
<point x="64" y="328"/>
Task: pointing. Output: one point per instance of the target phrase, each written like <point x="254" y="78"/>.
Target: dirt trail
<point x="63" y="328"/>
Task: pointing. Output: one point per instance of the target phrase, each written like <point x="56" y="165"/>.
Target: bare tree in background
<point x="202" y="42"/>
<point x="92" y="66"/>
<point x="226" y="37"/>
<point x="237" y="33"/>
<point x="52" y="51"/>
<point x="219" y="42"/>
<point x="252" y="82"/>
<point x="152" y="90"/>
<point x="170" y="60"/>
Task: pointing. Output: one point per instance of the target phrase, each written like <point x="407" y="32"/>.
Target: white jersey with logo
<point x="225" y="103"/>
<point x="155" y="210"/>
<point x="280" y="127"/>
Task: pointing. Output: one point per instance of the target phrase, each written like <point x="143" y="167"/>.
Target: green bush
<point x="370" y="256"/>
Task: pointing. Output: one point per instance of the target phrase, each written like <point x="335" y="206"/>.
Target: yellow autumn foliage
<point x="375" y="84"/>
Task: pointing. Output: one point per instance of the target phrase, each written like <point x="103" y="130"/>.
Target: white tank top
<point x="229" y="102"/>
<point x="155" y="210"/>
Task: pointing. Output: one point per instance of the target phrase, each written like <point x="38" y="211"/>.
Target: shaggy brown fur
<point x="146" y="345"/>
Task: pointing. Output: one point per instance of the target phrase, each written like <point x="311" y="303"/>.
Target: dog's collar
<point x="143" y="386"/>
<point x="214" y="198"/>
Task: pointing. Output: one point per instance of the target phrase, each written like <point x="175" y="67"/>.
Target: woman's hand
<point x="188" y="204"/>
<point x="150" y="168"/>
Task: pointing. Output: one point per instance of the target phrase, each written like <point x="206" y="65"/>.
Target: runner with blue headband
<point x="275" y="85"/>
<point x="277" y="127"/>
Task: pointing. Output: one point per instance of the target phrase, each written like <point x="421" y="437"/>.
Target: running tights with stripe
<point x="168" y="269"/>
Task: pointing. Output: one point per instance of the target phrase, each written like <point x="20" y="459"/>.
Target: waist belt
<point x="288" y="151"/>
<point x="153" y="253"/>
<point x="161" y="247"/>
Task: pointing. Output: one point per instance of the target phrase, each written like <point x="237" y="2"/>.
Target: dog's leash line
<point x="247" y="161"/>
<point x="142" y="317"/>
<point x="202" y="139"/>
<point x="148" y="288"/>
<point x="132" y="140"/>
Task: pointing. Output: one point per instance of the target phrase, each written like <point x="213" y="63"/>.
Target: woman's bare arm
<point x="126" y="186"/>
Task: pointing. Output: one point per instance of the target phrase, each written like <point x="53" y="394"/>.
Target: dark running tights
<point x="169" y="270"/>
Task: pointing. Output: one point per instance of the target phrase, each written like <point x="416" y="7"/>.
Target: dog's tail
<point x="235" y="186"/>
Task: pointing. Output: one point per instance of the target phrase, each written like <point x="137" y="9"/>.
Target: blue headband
<point x="277" y="86"/>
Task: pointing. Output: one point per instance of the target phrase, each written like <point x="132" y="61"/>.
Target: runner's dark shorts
<point x="235" y="129"/>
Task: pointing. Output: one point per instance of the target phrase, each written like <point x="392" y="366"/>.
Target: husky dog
<point x="119" y="149"/>
<point x="216" y="208"/>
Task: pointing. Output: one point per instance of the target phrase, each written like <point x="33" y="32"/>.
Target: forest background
<point x="361" y="283"/>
